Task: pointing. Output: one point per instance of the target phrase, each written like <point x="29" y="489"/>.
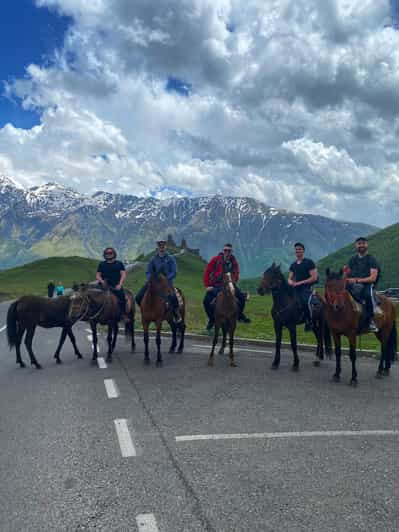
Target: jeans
<point x="120" y="294"/>
<point x="211" y="295"/>
<point x="303" y="294"/>
<point x="363" y="291"/>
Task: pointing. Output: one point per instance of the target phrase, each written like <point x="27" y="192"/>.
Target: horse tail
<point x="12" y="325"/>
<point x="392" y="343"/>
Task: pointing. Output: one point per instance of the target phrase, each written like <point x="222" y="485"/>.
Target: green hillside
<point x="384" y="246"/>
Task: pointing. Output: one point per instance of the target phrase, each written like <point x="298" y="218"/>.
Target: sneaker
<point x="372" y="326"/>
<point x="210" y="325"/>
<point x="244" y="319"/>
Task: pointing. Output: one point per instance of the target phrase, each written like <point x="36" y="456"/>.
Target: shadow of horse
<point x="28" y="312"/>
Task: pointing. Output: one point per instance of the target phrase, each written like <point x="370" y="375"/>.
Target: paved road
<point x="62" y="467"/>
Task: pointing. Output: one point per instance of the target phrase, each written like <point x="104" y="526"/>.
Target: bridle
<point x="83" y="315"/>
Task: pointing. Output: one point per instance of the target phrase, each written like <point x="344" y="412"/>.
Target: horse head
<point x="335" y="290"/>
<point x="272" y="280"/>
<point x="78" y="302"/>
<point x="228" y="283"/>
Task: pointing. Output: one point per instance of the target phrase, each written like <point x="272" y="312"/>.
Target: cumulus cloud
<point x="295" y="104"/>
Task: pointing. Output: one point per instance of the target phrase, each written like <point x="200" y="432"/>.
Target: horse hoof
<point x="159" y="364"/>
<point x="180" y="350"/>
<point x="316" y="363"/>
<point x="379" y="375"/>
<point x="147" y="361"/>
<point x="353" y="382"/>
<point x="79" y="356"/>
<point x="274" y="366"/>
<point x="386" y="372"/>
<point x="109" y="360"/>
<point x="233" y="365"/>
<point x="22" y="365"/>
<point x="210" y="363"/>
<point x="295" y="367"/>
<point x="58" y="361"/>
<point x="94" y="362"/>
<point x="335" y="378"/>
<point x="38" y="366"/>
<point x="171" y="350"/>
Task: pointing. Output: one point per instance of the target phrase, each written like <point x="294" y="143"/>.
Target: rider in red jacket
<point x="213" y="280"/>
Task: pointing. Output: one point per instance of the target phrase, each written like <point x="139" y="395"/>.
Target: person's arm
<point x="207" y="273"/>
<point x="99" y="275"/>
<point x="291" y="281"/>
<point x="367" y="280"/>
<point x="172" y="268"/>
<point x="310" y="280"/>
<point x="236" y="272"/>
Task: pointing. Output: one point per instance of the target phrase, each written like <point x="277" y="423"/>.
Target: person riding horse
<point x="362" y="274"/>
<point x="302" y="275"/>
<point x="164" y="263"/>
<point x="224" y="262"/>
<point x="112" y="272"/>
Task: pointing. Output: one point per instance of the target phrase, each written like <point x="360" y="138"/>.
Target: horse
<point x="344" y="317"/>
<point x="101" y="306"/>
<point x="226" y="313"/>
<point x="28" y="312"/>
<point x="154" y="308"/>
<point x="287" y="312"/>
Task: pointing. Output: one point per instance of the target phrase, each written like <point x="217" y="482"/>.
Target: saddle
<point x="359" y="305"/>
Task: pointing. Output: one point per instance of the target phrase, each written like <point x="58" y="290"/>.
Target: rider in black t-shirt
<point x="302" y="275"/>
<point x="362" y="274"/>
<point x="113" y="272"/>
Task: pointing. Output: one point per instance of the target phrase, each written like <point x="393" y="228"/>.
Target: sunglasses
<point x="228" y="250"/>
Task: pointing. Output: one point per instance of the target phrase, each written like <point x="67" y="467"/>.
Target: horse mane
<point x="275" y="269"/>
<point x="334" y="276"/>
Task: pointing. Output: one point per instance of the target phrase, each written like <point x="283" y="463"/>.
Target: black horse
<point x="287" y="312"/>
<point x="28" y="312"/>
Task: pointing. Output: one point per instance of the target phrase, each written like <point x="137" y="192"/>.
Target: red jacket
<point x="213" y="274"/>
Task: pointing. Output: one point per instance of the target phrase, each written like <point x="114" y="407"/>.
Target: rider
<point x="112" y="272"/>
<point x="361" y="275"/>
<point x="224" y="262"/>
<point x="164" y="263"/>
<point x="302" y="275"/>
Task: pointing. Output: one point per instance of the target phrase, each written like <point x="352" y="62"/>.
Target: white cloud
<point x="292" y="103"/>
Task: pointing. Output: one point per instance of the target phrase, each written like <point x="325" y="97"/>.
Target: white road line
<point x="111" y="388"/>
<point x="237" y="349"/>
<point x="90" y="338"/>
<point x="101" y="363"/>
<point x="274" y="435"/>
<point x="2" y="328"/>
<point x="125" y="440"/>
<point x="147" y="523"/>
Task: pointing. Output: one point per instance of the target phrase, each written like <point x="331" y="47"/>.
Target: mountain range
<point x="53" y="220"/>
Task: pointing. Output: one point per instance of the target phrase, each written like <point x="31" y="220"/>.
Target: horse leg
<point x="352" y="355"/>
<point x="115" y="335"/>
<point x="132" y="343"/>
<point x="278" y="328"/>
<point x="60" y="344"/>
<point x="224" y="332"/>
<point x="173" y="328"/>
<point x="294" y="347"/>
<point x="146" y="337"/>
<point x="158" y="342"/>
<point x="318" y="332"/>
<point x="182" y="331"/>
<point x="380" y="370"/>
<point x="231" y="345"/>
<point x="73" y="341"/>
<point x="337" y="343"/>
<point x="28" y="344"/>
<point x="327" y="339"/>
<point x="18" y="342"/>
<point x="93" y="326"/>
<point x="214" y="342"/>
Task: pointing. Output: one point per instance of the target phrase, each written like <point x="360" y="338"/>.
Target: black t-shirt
<point x="111" y="271"/>
<point x="302" y="270"/>
<point x="361" y="266"/>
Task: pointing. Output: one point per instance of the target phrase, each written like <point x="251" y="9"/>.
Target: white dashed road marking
<point x="2" y="328"/>
<point x="101" y="363"/>
<point x="275" y="435"/>
<point x="125" y="440"/>
<point x="111" y="388"/>
<point x="147" y="523"/>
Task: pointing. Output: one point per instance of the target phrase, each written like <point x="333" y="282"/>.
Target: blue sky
<point x="27" y="35"/>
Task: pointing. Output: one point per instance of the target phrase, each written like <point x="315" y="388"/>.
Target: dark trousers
<point x="211" y="295"/>
<point x="120" y="294"/>
<point x="363" y="292"/>
<point x="303" y="294"/>
<point x="172" y="299"/>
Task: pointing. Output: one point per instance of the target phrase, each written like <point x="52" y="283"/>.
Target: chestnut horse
<point x="101" y="306"/>
<point x="287" y="312"/>
<point x="226" y="313"/>
<point x="154" y="308"/>
<point x="345" y="319"/>
<point x="28" y="312"/>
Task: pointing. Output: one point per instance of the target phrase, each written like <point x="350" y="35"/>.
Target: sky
<point x="295" y="104"/>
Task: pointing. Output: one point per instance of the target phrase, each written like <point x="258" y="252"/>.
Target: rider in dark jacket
<point x="112" y="272"/>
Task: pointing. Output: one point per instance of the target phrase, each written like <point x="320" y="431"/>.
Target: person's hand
<point x="118" y="287"/>
<point x="351" y="280"/>
<point x="209" y="288"/>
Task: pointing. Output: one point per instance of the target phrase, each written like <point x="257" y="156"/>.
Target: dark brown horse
<point x="154" y="308"/>
<point x="98" y="306"/>
<point x="28" y="312"/>
<point x="345" y="318"/>
<point x="287" y="312"/>
<point x="226" y="313"/>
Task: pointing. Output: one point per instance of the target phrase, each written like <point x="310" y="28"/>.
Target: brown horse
<point x="98" y="306"/>
<point x="345" y="318"/>
<point x="287" y="312"/>
<point x="28" y="312"/>
<point x="154" y="308"/>
<point x="226" y="313"/>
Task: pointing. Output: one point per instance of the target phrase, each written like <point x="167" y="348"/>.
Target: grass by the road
<point x="33" y="279"/>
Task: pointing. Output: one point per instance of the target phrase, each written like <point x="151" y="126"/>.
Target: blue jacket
<point x="166" y="264"/>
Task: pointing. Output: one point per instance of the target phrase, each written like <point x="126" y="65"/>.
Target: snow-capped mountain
<point x="55" y="220"/>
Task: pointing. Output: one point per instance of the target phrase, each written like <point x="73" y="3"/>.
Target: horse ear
<point x="341" y="271"/>
<point x="279" y="266"/>
<point x="273" y="265"/>
<point x="328" y="272"/>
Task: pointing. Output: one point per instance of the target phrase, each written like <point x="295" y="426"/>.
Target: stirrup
<point x="372" y="326"/>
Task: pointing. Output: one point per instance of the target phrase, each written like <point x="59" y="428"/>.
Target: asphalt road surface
<point x="191" y="448"/>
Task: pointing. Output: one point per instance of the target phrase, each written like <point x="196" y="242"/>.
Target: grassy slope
<point x="33" y="278"/>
